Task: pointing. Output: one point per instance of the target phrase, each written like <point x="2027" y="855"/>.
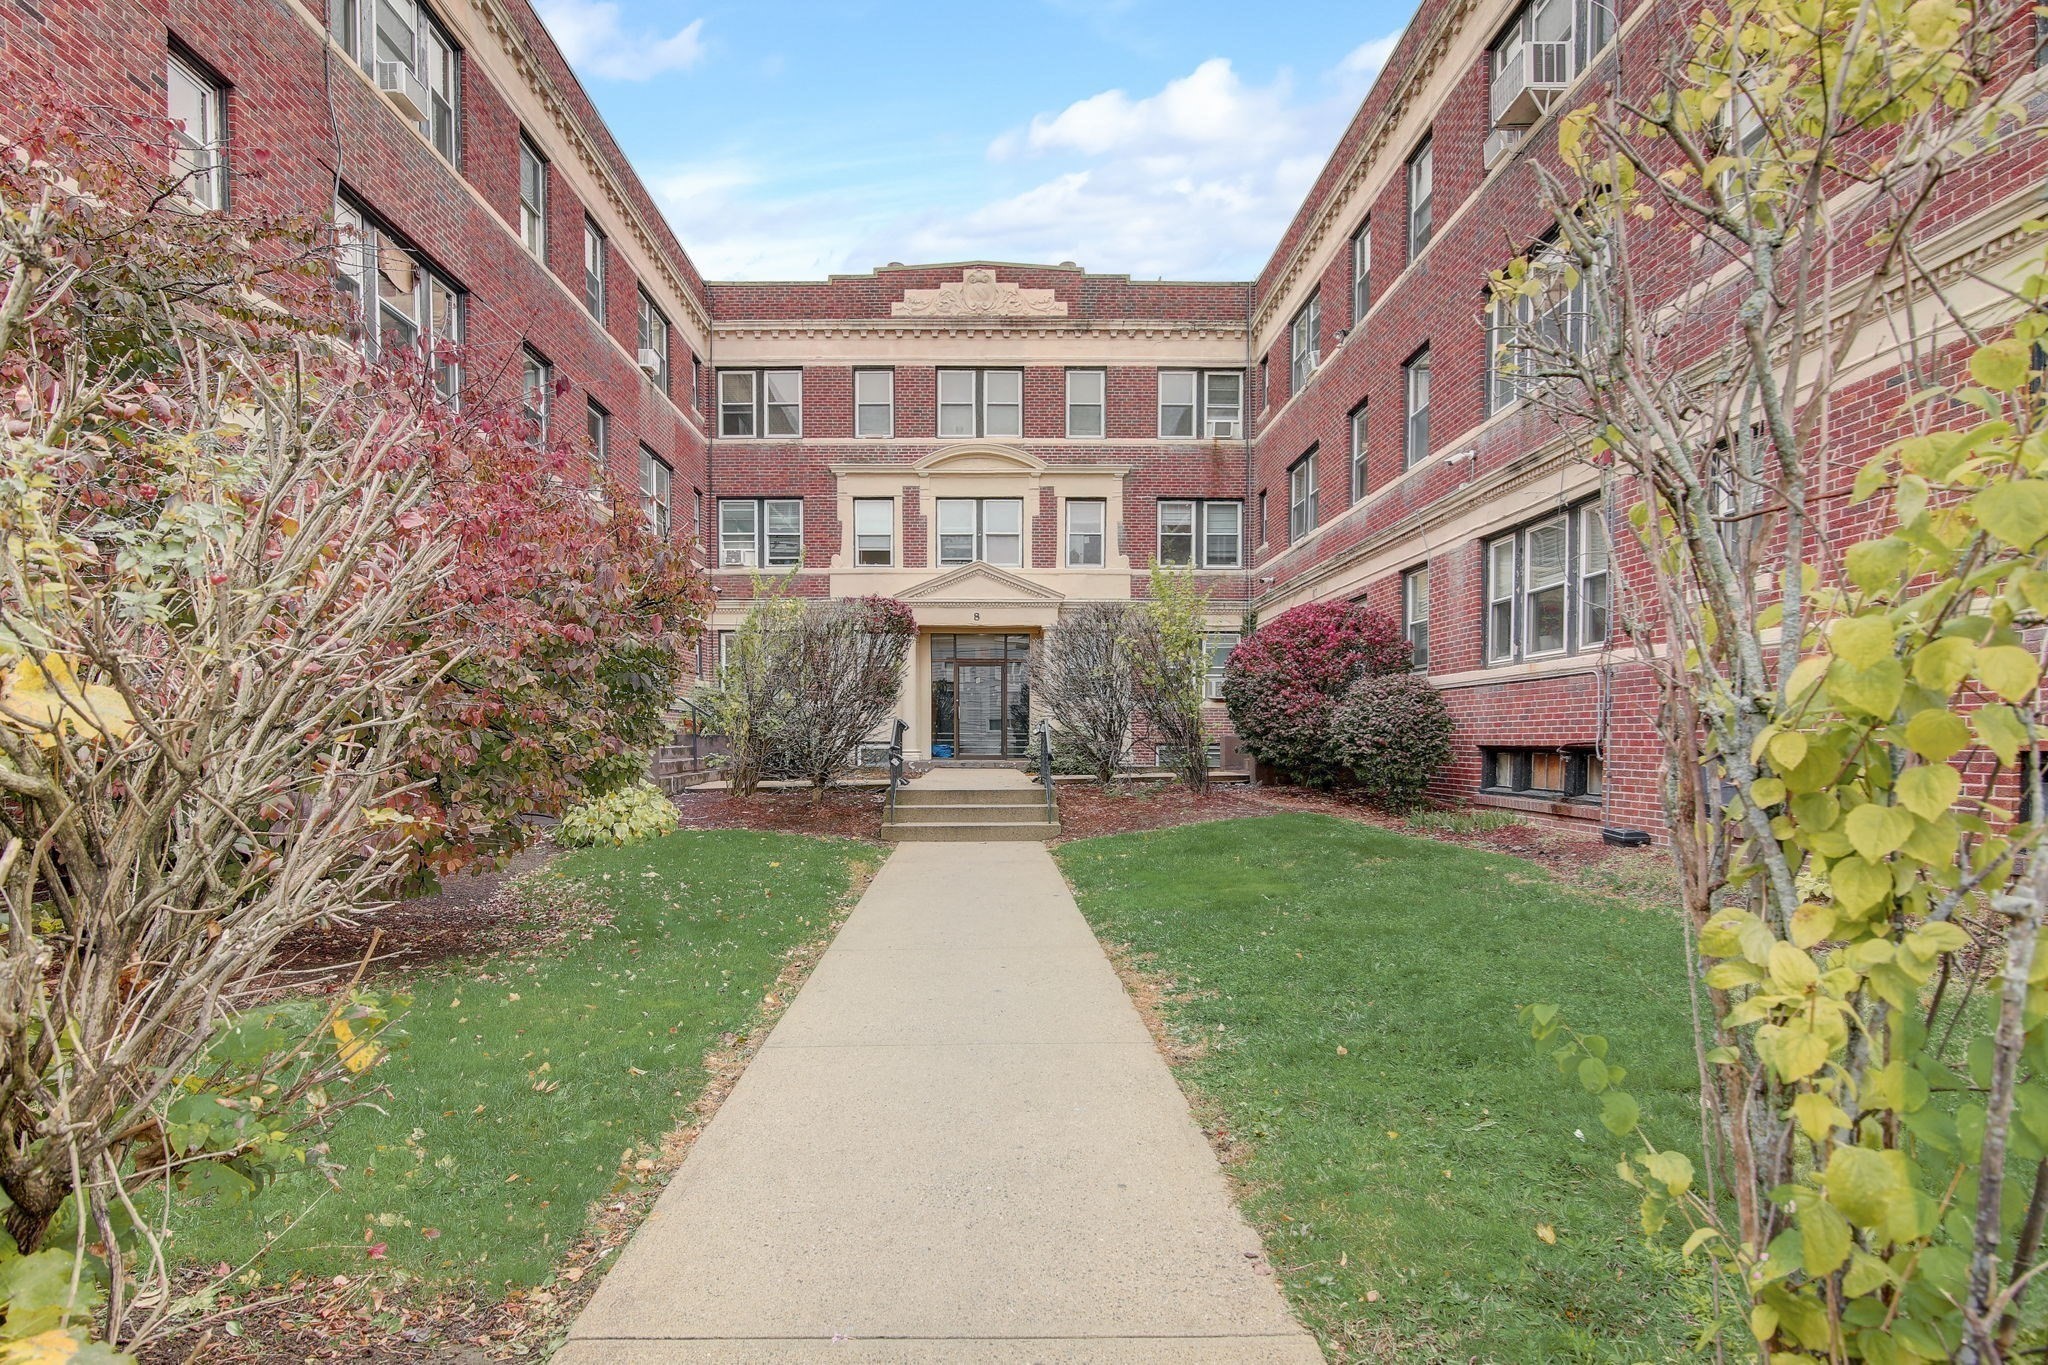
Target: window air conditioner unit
<point x="649" y="360"/>
<point x="403" y="89"/>
<point x="1315" y="357"/>
<point x="1224" y="428"/>
<point x="737" y="559"/>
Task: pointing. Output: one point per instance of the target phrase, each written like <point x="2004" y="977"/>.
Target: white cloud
<point x="597" y="44"/>
<point x="1369" y="56"/>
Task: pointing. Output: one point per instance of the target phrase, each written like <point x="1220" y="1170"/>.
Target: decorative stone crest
<point x="978" y="295"/>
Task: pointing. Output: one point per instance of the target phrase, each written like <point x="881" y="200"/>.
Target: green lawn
<point x="528" y="1076"/>
<point x="1356" y="993"/>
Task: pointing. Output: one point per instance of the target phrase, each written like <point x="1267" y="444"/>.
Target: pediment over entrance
<point x="982" y="583"/>
<point x="979" y="459"/>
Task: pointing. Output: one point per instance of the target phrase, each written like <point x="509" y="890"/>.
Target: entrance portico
<point x="967" y="692"/>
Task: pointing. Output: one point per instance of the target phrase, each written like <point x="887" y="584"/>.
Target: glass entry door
<point x="981" y="696"/>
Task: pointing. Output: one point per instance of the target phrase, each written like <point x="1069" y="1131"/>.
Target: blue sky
<point x="788" y="141"/>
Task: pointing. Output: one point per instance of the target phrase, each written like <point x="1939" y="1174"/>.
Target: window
<point x="1568" y="774"/>
<point x="981" y="402"/>
<point x="1262" y="516"/>
<point x="1593" y="564"/>
<point x="1168" y="755"/>
<point x="1415" y="614"/>
<point x="874" y="531"/>
<point x="1416" y="374"/>
<point x="401" y="301"/>
<point x="198" y="111"/>
<point x="1216" y="648"/>
<point x="1547" y="586"/>
<point x="533" y="198"/>
<point x="874" y="403"/>
<point x="595" y="270"/>
<point x="597" y="429"/>
<point x="1556" y="321"/>
<point x="412" y="59"/>
<point x="1301" y="496"/>
<point x="990" y="530"/>
<point x="1196" y="403"/>
<point x="1361" y="274"/>
<point x="725" y="648"/>
<point x="1304" y="342"/>
<point x="1421" y="191"/>
<point x="754" y="532"/>
<point x="653" y="337"/>
<point x="537" y="383"/>
<point x="760" y="402"/>
<point x="1358" y="452"/>
<point x="1087" y="529"/>
<point x="1085" y="402"/>
<point x="1202" y="534"/>
<point x="655" y="479"/>
<point x="1539" y="53"/>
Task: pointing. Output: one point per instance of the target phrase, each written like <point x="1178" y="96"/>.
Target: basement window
<point x="1564" y="774"/>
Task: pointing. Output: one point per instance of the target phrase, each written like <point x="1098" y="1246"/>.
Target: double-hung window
<point x="1198" y="533"/>
<point x="1304" y="342"/>
<point x="1216" y="649"/>
<point x="874" y="532"/>
<point x="533" y="198"/>
<point x="401" y="301"/>
<point x="1086" y="402"/>
<point x="537" y="383"/>
<point x="760" y="533"/>
<point x="1197" y="403"/>
<point x="1415" y="379"/>
<point x="1547" y="586"/>
<point x="988" y="530"/>
<point x="1358" y="452"/>
<point x="411" y="58"/>
<point x="760" y="402"/>
<point x="874" y="403"/>
<point x="1421" y="198"/>
<point x="653" y="338"/>
<point x="198" y="108"/>
<point x="1415" y="613"/>
<point x="981" y="402"/>
<point x="1361" y="273"/>
<point x="1301" y="496"/>
<point x="597" y="429"/>
<point x="1524" y="331"/>
<point x="656" y="479"/>
<point x="596" y="270"/>
<point x="1087" y="530"/>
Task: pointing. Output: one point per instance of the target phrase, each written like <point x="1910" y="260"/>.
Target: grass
<point x="1351" y="995"/>
<point x="528" y="1076"/>
<point x="1462" y="821"/>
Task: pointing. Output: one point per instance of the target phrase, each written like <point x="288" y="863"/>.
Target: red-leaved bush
<point x="1283" y="684"/>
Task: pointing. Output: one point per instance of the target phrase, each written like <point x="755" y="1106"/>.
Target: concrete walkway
<point x="959" y="1144"/>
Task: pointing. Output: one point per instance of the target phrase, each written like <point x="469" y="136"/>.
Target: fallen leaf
<point x="1343" y="1051"/>
<point x="1546" y="1234"/>
<point x="1372" y="1296"/>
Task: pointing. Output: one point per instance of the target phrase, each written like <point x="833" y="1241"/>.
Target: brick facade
<point x="293" y="94"/>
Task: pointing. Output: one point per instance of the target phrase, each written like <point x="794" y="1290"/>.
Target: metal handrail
<point x="1045" y="765"/>
<point x="895" y="766"/>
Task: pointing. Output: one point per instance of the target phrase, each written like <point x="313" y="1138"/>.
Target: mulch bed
<point x="850" y="812"/>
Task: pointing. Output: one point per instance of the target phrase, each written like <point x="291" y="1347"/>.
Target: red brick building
<point x="993" y="443"/>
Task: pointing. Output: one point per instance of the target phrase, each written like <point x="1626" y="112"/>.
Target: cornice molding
<point x="500" y="25"/>
<point x="919" y="327"/>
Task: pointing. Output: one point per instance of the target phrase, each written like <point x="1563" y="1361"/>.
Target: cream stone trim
<point x="978" y="293"/>
<point x="987" y="582"/>
<point x="1044" y="342"/>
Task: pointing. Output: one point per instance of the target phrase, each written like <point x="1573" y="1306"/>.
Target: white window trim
<point x="1411" y="618"/>
<point x="1199" y="557"/>
<point x="602" y="277"/>
<point x="858" y="403"/>
<point x="657" y="491"/>
<point x="1522" y="620"/>
<point x="1101" y="404"/>
<point x="533" y="213"/>
<point x="981" y="533"/>
<point x="1212" y="675"/>
<point x="1419" y="363"/>
<point x="538" y="400"/>
<point x="601" y="449"/>
<point x="1358" y="429"/>
<point x="1101" y="534"/>
<point x="889" y="504"/>
<point x="1361" y="273"/>
<point x="1423" y="157"/>
<point x="206" y="147"/>
<point x="760" y="404"/>
<point x="980" y="401"/>
<point x="651" y="329"/>
<point x="1304" y="343"/>
<point x="1202" y="425"/>
<point x="761" y="556"/>
<point x="1302" y="499"/>
<point x="361" y="259"/>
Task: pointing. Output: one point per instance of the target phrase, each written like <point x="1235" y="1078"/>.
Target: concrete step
<point x="971" y="796"/>
<point x="959" y="833"/>
<point x="932" y="813"/>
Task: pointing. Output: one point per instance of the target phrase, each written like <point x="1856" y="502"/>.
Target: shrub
<point x="625" y="816"/>
<point x="1084" y="678"/>
<point x="1284" y="683"/>
<point x="1393" y="732"/>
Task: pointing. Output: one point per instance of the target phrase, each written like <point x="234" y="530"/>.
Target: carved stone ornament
<point x="978" y="295"/>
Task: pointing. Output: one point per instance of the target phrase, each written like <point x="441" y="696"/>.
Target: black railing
<point x="700" y="723"/>
<point x="1045" y="765"/>
<point x="895" y="766"/>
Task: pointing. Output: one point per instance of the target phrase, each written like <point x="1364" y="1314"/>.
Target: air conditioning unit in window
<point x="737" y="559"/>
<point x="1315" y="357"/>
<point x="1223" y="428"/>
<point x="403" y="89"/>
<point x="649" y="360"/>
